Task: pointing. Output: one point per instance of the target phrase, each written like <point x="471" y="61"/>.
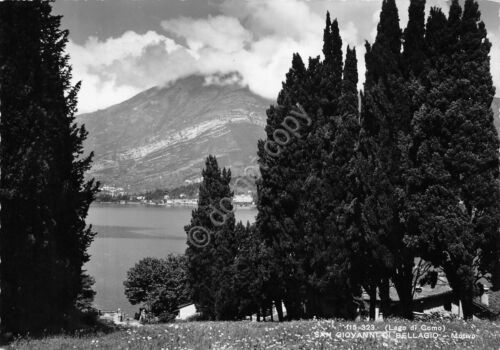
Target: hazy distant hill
<point x="161" y="137"/>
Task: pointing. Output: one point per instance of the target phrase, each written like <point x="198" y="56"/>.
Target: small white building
<point x="243" y="199"/>
<point x="186" y="311"/>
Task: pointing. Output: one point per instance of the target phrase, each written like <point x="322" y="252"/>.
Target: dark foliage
<point x="45" y="198"/>
<point x="161" y="285"/>
<point x="454" y="153"/>
<point x="210" y="266"/>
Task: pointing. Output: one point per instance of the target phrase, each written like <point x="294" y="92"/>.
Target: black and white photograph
<point x="249" y="174"/>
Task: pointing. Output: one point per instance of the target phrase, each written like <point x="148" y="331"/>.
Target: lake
<point x="128" y="233"/>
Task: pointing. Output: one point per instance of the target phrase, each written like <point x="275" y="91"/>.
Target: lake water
<point x="126" y="234"/>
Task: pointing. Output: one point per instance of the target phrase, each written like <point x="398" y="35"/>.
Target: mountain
<point x="161" y="137"/>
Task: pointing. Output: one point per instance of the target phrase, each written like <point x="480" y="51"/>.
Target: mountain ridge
<point x="161" y="136"/>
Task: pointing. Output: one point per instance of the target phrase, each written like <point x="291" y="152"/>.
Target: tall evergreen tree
<point x="324" y="98"/>
<point x="386" y="119"/>
<point x="69" y="194"/>
<point x="456" y="196"/>
<point x="383" y="57"/>
<point x="45" y="197"/>
<point x="279" y="194"/>
<point x="327" y="38"/>
<point x="331" y="76"/>
<point x="287" y="195"/>
<point x="210" y="263"/>
<point x="414" y="45"/>
<point x="251" y="268"/>
<point x="330" y="260"/>
<point x="19" y="55"/>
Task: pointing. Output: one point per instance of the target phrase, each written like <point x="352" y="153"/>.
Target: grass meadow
<point x="315" y="334"/>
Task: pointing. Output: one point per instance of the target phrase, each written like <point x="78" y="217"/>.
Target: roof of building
<point x="494" y="302"/>
<point x="442" y="288"/>
<point x="184" y="305"/>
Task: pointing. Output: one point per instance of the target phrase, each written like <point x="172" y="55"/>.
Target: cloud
<point x="495" y="59"/>
<point x="221" y="33"/>
<point x="118" y="68"/>
<point x="284" y="19"/>
<point x="254" y="38"/>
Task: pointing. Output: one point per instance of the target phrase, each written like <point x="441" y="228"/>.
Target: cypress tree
<point x="436" y="35"/>
<point x="70" y="195"/>
<point x="45" y="197"/>
<point x="386" y="118"/>
<point x="226" y="249"/>
<point x="333" y="275"/>
<point x="454" y="20"/>
<point x="327" y="38"/>
<point x="296" y="233"/>
<point x="349" y="99"/>
<point x="375" y="150"/>
<point x="279" y="195"/>
<point x="383" y="57"/>
<point x="19" y="57"/>
<point x="454" y="135"/>
<point x="331" y="75"/>
<point x="323" y="101"/>
<point x="250" y="271"/>
<point x="211" y="243"/>
<point x="414" y="55"/>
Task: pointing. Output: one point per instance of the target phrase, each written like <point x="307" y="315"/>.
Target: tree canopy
<point x="161" y="285"/>
<point x="44" y="194"/>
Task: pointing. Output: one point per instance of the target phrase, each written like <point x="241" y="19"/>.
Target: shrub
<point x="159" y="284"/>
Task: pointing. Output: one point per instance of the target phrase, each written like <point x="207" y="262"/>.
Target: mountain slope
<point x="496" y="111"/>
<point x="161" y="137"/>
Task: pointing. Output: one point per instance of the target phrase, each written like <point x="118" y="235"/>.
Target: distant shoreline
<point x="167" y="206"/>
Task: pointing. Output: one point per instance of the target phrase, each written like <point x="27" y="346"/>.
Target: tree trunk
<point x="406" y="300"/>
<point x="294" y="309"/>
<point x="312" y="305"/>
<point x="373" y="301"/>
<point x="271" y="308"/>
<point x="403" y="282"/>
<point x="385" y="299"/>
<point x="462" y="278"/>
<point x="467" y="308"/>
<point x="467" y="295"/>
<point x="279" y="310"/>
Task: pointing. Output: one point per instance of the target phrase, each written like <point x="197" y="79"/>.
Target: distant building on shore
<point x="193" y="181"/>
<point x="188" y="202"/>
<point x="112" y="191"/>
<point x="245" y="199"/>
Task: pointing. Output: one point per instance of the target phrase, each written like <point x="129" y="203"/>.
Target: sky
<point x="119" y="48"/>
